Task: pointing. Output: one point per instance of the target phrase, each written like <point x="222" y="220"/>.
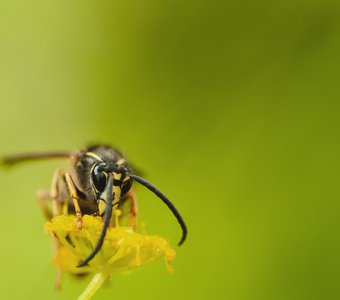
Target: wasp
<point x="100" y="180"/>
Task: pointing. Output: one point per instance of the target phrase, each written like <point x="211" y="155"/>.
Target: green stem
<point x="93" y="286"/>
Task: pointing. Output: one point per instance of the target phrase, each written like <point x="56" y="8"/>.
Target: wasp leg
<point x="58" y="272"/>
<point x="73" y="192"/>
<point x="129" y="209"/>
<point x="133" y="209"/>
<point x="43" y="197"/>
<point x="55" y="191"/>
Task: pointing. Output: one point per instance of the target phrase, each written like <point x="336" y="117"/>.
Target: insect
<point x="99" y="181"/>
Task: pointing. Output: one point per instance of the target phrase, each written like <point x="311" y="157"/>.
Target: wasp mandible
<point x="99" y="181"/>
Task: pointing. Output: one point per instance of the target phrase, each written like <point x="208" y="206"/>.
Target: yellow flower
<point x="123" y="248"/>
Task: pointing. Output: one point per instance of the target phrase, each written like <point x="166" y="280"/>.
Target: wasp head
<point x="93" y="166"/>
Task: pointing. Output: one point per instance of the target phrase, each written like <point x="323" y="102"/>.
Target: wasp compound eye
<point x="99" y="179"/>
<point x="126" y="186"/>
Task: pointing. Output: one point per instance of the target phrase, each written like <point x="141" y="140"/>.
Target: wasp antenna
<point x="168" y="203"/>
<point x="107" y="219"/>
<point x="11" y="160"/>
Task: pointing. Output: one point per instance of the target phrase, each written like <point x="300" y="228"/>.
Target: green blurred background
<point x="231" y="108"/>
